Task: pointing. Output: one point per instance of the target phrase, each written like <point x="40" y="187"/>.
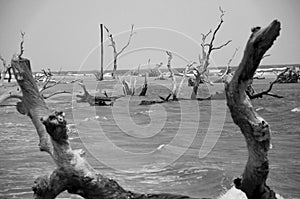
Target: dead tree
<point x="145" y="86"/>
<point x="6" y="70"/>
<point x="47" y="84"/>
<point x="228" y="72"/>
<point x="116" y="53"/>
<point x="157" y="72"/>
<point x="206" y="50"/>
<point x="290" y="75"/>
<point x="254" y="128"/>
<point x="3" y="71"/>
<point x="172" y="76"/>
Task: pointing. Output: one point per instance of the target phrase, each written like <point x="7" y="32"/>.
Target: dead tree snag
<point x="254" y="128"/>
<point x="201" y="73"/>
<point x="116" y="53"/>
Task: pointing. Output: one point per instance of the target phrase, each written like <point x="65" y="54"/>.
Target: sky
<point x="65" y="34"/>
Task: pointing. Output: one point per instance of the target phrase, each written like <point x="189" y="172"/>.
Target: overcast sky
<point x="66" y="33"/>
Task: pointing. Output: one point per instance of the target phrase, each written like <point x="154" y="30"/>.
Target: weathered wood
<point x="289" y="76"/>
<point x="254" y="128"/>
<point x="95" y="100"/>
<point x="32" y="103"/>
<point x="115" y="52"/>
<point x="145" y="87"/>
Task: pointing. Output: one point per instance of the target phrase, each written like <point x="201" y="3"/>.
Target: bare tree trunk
<point x="254" y="128"/>
<point x="117" y="53"/>
<point x="114" y="73"/>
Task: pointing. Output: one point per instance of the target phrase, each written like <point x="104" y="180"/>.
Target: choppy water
<point x="156" y="148"/>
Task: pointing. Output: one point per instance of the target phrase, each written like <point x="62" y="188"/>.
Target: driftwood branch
<point x="254" y="128"/>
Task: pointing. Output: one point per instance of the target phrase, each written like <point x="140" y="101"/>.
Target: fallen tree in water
<point x="74" y="174"/>
<point x="95" y="100"/>
<point x="254" y="128"/>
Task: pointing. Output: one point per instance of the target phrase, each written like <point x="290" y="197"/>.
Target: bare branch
<point x="55" y="93"/>
<point x="266" y="55"/>
<point x="266" y="92"/>
<point x="222" y="12"/>
<point x="21" y="45"/>
<point x="129" y="39"/>
<point x="204" y="36"/>
<point x="219" y="47"/>
<point x="230" y="60"/>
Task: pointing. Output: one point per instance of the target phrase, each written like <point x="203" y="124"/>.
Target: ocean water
<point x="186" y="147"/>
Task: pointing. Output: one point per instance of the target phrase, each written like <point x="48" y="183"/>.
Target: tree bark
<point x="254" y="128"/>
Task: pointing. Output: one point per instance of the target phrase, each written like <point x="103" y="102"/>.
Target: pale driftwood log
<point x="254" y="128"/>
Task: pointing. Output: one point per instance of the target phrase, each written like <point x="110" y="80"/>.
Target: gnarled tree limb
<point x="254" y="128"/>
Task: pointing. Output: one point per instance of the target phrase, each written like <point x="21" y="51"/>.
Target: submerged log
<point x="95" y="100"/>
<point x="254" y="128"/>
